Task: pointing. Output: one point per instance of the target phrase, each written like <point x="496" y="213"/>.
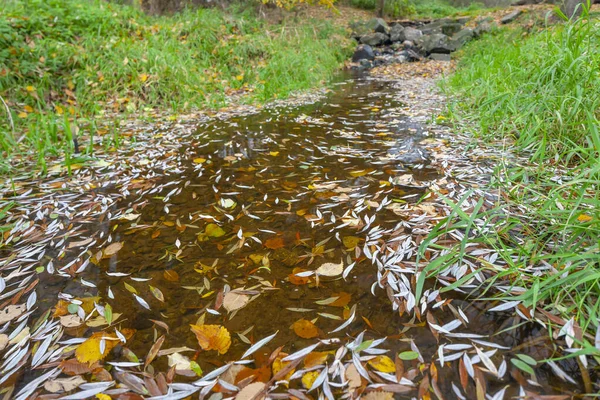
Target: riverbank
<point x="77" y="70"/>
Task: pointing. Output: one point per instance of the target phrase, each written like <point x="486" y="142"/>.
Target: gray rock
<point x="483" y="26"/>
<point x="412" y="34"/>
<point x="435" y="43"/>
<point x="359" y="29"/>
<point x="462" y="37"/>
<point x="508" y="18"/>
<point x="572" y="8"/>
<point x="451" y="28"/>
<point x="397" y="33"/>
<point x="440" y="57"/>
<point x="363" y="52"/>
<point x="374" y="39"/>
<point x="378" y="25"/>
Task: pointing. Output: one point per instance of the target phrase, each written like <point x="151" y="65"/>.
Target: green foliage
<point x="429" y="9"/>
<point x="82" y="58"/>
<point x="542" y="91"/>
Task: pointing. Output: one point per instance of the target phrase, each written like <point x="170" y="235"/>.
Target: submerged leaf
<point x="305" y="329"/>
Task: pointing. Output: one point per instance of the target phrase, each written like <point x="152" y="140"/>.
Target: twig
<point x="12" y="123"/>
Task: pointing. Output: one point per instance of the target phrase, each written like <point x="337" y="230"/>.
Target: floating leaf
<point x="89" y="351"/>
<point x="251" y="392"/>
<point x="157" y="293"/>
<point x="212" y="337"/>
<point x="309" y="378"/>
<point x="383" y="364"/>
<point x="63" y="384"/>
<point x="522" y="366"/>
<point x="305" y="329"/>
<point x="298" y="280"/>
<point x="342" y="300"/>
<point x="11" y="312"/>
<point x="330" y="269"/>
<point x="315" y="358"/>
<point x="408" y="355"/>
<point x="199" y="160"/>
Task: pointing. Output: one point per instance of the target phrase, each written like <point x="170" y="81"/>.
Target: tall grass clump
<point x="537" y="95"/>
<point x="90" y="58"/>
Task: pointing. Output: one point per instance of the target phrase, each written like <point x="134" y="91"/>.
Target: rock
<point x="483" y="26"/>
<point x="378" y="25"/>
<point x="374" y="39"/>
<point x="439" y="57"/>
<point x="508" y="18"/>
<point x="412" y="34"/>
<point x="451" y="28"/>
<point x="462" y="37"/>
<point x="435" y="43"/>
<point x="363" y="52"/>
<point x="572" y="8"/>
<point x="397" y="33"/>
<point x="359" y="29"/>
<point x="365" y="64"/>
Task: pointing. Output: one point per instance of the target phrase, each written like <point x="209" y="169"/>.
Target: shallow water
<point x="282" y="186"/>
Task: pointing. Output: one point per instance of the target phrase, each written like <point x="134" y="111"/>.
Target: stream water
<point x="251" y="201"/>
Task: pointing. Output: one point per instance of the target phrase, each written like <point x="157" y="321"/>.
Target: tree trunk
<point x="380" y="8"/>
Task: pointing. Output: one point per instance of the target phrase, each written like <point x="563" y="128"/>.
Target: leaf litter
<point x="313" y="213"/>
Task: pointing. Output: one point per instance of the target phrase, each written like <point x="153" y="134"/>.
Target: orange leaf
<point x="171" y="276"/>
<point x="274" y="243"/>
<point x="305" y="329"/>
<point x="315" y="358"/>
<point x="298" y="280"/>
<point x="343" y="299"/>
<point x="212" y="337"/>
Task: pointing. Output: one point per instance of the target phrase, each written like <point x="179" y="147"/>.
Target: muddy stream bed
<point x="301" y="222"/>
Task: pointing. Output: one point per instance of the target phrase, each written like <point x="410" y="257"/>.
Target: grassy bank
<point x="429" y="9"/>
<point x="66" y="63"/>
<point x="539" y="93"/>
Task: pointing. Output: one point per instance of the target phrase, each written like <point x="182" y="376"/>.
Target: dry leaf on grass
<point x="212" y="337"/>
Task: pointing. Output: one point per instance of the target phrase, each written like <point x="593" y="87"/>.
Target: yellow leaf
<point x="356" y="174"/>
<point x="316" y="358"/>
<point x="199" y="160"/>
<point x="212" y="337"/>
<point x="30" y="89"/>
<point x="22" y="115"/>
<point x="28" y="109"/>
<point x="309" y="378"/>
<point x="143" y="77"/>
<point x="278" y="365"/>
<point x="102" y="396"/>
<point x="383" y="364"/>
<point x="239" y="77"/>
<point x="350" y="242"/>
<point x="584" y="218"/>
<point x="89" y="351"/>
<point x="214" y="230"/>
<point x="274" y="153"/>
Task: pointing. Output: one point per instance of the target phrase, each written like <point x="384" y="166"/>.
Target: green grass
<point x="429" y="9"/>
<point x="539" y="93"/>
<point x="83" y="58"/>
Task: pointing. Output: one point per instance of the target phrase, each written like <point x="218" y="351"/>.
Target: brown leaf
<point x="112" y="249"/>
<point x="235" y="300"/>
<point x="274" y="243"/>
<point x="154" y="350"/>
<point x="251" y="392"/>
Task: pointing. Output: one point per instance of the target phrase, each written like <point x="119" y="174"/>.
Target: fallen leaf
<point x="212" y="337"/>
<point x="171" y="276"/>
<point x="214" y="231"/>
<point x="383" y="364"/>
<point x="584" y="218"/>
<point x="112" y="249"/>
<point x="353" y="377"/>
<point x="274" y="243"/>
<point x="378" y="396"/>
<point x="298" y="280"/>
<point x="63" y="384"/>
<point x="330" y="269"/>
<point x="70" y="321"/>
<point x="89" y="351"/>
<point x="11" y="312"/>
<point x="305" y="329"/>
<point x="343" y="299"/>
<point x="309" y="378"/>
<point x="3" y="341"/>
<point x="350" y="242"/>
<point x="251" y="392"/>
<point x="234" y="300"/>
<point x="315" y="358"/>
